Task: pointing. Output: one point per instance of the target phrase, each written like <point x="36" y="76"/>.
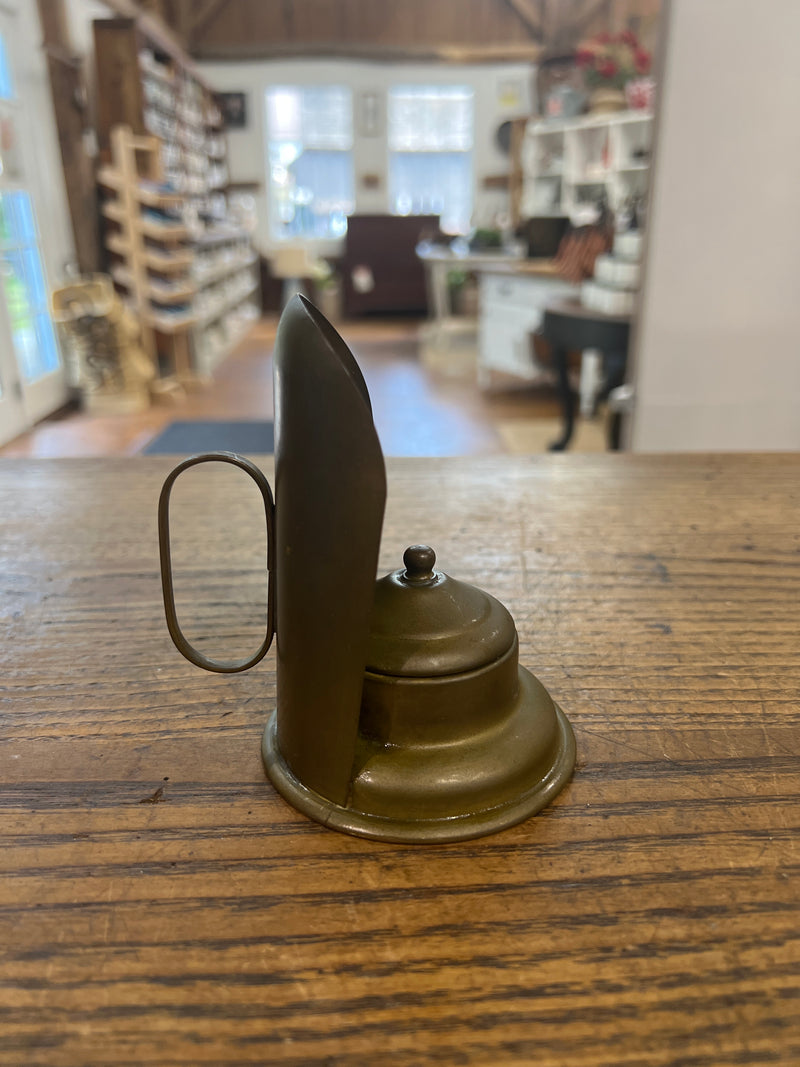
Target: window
<point x="430" y="131"/>
<point x="6" y="81"/>
<point x="24" y="286"/>
<point x="310" y="160"/>
<point x="21" y="274"/>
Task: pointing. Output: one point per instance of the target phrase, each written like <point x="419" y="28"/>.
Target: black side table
<point x="568" y="325"/>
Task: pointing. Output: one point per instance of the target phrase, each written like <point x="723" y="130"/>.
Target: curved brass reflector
<point x="330" y="492"/>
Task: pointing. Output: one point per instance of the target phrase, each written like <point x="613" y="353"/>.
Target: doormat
<point x="185" y="438"/>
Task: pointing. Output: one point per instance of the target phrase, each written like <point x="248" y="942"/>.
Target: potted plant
<point x="609" y="62"/>
<point x="328" y="288"/>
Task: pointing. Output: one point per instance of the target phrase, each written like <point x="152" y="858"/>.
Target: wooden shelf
<point x="113" y="210"/>
<point x="496" y="181"/>
<point x="168" y="262"/>
<point x="150" y="197"/>
<point x="159" y="293"/>
<point x="160" y="231"/>
<point x="156" y="259"/>
<point x="171" y="295"/>
<point x="149" y="248"/>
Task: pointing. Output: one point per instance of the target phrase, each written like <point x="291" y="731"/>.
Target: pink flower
<point x="642" y="60"/>
<point x="607" y="68"/>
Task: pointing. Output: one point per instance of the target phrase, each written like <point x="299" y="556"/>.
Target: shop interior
<point x="442" y="712"/>
<point x="539" y="227"/>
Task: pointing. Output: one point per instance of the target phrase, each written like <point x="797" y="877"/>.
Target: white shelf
<point x="204" y="319"/>
<point x="158" y="73"/>
<point x="590" y="122"/>
<point x="172" y="323"/>
<point x="220" y="236"/>
<point x="203" y="281"/>
<point x="597" y="179"/>
<point x="597" y="150"/>
<point x="211" y="355"/>
<point x="639" y="115"/>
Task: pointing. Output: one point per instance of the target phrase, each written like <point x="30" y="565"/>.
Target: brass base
<point x="549" y="772"/>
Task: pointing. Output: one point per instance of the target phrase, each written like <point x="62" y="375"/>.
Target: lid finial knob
<point x="419" y="561"/>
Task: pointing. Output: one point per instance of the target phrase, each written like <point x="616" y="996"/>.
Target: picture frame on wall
<point x="370" y="115"/>
<point x="234" y="109"/>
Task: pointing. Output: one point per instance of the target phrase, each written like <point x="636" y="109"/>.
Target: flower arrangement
<point x="610" y="62"/>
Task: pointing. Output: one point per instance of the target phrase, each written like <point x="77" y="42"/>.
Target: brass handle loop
<point x="175" y="632"/>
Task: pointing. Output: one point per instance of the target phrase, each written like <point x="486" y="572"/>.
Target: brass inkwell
<point x="402" y="711"/>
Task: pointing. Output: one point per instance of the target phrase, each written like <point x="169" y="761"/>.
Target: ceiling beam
<point x="514" y="52"/>
<point x="530" y="12"/>
<point x="199" y="15"/>
<point x="591" y="9"/>
<point x="157" y="30"/>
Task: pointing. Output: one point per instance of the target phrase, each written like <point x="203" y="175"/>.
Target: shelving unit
<point x="197" y="271"/>
<point x="145" y="224"/>
<point x="568" y="164"/>
<point x="224" y="272"/>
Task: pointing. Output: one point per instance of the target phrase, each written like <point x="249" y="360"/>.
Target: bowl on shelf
<point x="606" y="101"/>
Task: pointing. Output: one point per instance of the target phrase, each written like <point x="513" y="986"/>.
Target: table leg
<point x="614" y="364"/>
<point x="567" y="398"/>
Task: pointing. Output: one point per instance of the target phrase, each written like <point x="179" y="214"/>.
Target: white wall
<point x="80" y="14"/>
<point x="44" y="173"/>
<point x="247" y="150"/>
<point x="718" y="349"/>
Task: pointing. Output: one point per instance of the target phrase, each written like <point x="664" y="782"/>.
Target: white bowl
<point x="629" y="245"/>
<point x="618" y="273"/>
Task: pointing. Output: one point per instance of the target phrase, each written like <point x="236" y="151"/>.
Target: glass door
<point x="31" y="370"/>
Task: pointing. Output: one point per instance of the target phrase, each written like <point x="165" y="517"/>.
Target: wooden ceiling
<point x="449" y="30"/>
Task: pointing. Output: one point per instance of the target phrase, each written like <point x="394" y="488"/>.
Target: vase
<point x="603" y="101"/>
<point x="640" y="92"/>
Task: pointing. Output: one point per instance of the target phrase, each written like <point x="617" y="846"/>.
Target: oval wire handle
<point x="175" y="632"/>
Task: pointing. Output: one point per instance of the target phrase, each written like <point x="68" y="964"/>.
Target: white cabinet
<point x="570" y="163"/>
<point x="511" y="308"/>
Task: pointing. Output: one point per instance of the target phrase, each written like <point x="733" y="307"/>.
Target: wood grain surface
<point x="160" y="904"/>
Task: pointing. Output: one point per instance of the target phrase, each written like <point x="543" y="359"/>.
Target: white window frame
<point x="465" y="138"/>
<point x="277" y="233"/>
<point x="24" y="403"/>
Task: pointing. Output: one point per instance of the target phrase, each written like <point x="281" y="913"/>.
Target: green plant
<point x="456" y="278"/>
<point x="481" y="239"/>
<point x="324" y="274"/>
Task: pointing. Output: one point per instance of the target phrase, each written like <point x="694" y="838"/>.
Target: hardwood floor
<point x="417" y="413"/>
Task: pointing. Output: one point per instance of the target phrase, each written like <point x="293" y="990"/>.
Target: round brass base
<point x="530" y="798"/>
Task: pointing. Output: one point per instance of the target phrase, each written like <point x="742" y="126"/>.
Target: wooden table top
<point x="162" y="905"/>
<point x="538" y="266"/>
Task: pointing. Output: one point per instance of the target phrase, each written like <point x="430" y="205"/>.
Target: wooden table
<point x="439" y="260"/>
<point x="162" y="905"/>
